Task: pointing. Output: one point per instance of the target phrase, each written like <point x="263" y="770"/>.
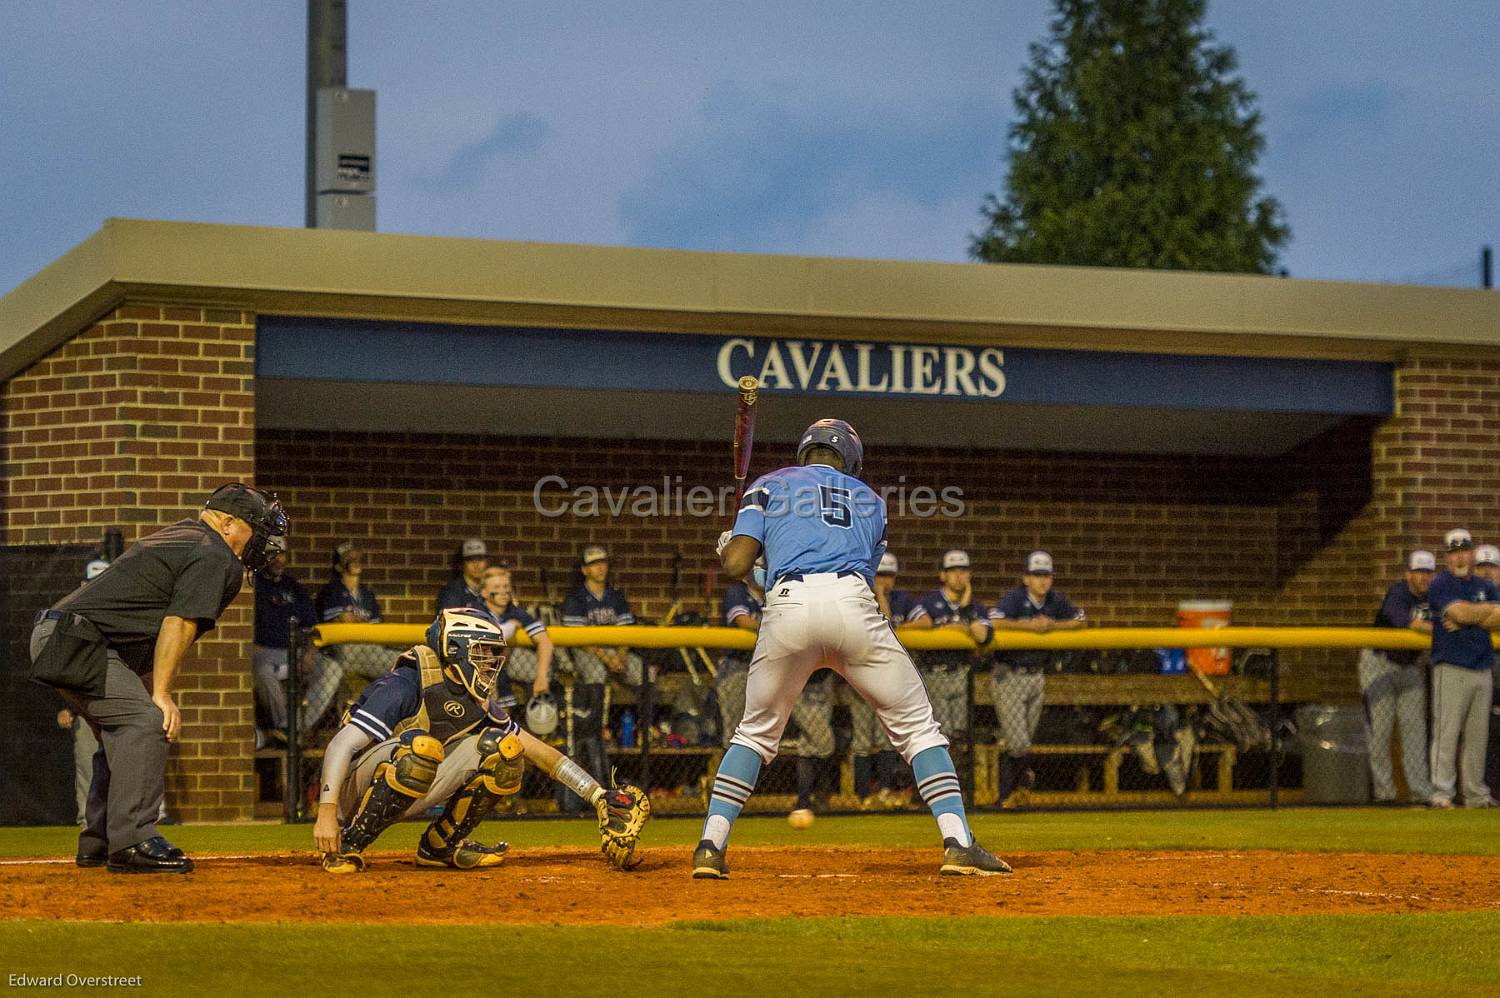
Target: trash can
<point x="1335" y="753"/>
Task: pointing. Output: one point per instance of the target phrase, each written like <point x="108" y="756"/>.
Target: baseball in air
<point x="800" y="819"/>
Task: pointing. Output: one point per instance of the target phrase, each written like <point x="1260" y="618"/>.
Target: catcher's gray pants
<point x="129" y="776"/>
<point x="1018" y="706"/>
<point x="1395" y="694"/>
<point x="460" y="763"/>
<point x="734" y="673"/>
<point x="813" y="716"/>
<point x="948" y="689"/>
<point x="84" y="747"/>
<point x="269" y="666"/>
<point x="1460" y="712"/>
<point x="869" y="738"/>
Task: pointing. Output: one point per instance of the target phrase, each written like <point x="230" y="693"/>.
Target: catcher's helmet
<point x="541" y="715"/>
<point x="262" y="512"/>
<point x="472" y="648"/>
<point x="838" y="436"/>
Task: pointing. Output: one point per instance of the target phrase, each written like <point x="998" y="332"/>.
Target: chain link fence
<point x="1094" y="728"/>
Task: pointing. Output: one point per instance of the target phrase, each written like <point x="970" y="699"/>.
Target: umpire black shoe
<point x="708" y="862"/>
<point x="90" y="860"/>
<point x="973" y="860"/>
<point x="155" y="855"/>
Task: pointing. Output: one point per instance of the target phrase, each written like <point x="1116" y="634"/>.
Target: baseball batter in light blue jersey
<point x="822" y="532"/>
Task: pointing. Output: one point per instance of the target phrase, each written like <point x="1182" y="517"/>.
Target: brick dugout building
<point x="1167" y="436"/>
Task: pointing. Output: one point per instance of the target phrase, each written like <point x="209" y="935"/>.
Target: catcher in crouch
<point x="430" y="733"/>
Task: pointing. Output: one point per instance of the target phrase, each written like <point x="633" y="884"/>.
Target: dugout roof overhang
<point x="464" y="335"/>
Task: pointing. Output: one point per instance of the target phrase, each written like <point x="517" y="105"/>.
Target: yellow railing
<point x="921" y="639"/>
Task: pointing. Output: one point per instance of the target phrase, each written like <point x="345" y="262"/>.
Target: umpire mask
<point x="262" y="512"/>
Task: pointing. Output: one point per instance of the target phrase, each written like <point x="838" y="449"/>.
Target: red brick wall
<point x="131" y="424"/>
<point x="1132" y="534"/>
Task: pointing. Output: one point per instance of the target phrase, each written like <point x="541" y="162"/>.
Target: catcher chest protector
<point x="498" y="775"/>
<point x="445" y="713"/>
<point x="399" y="783"/>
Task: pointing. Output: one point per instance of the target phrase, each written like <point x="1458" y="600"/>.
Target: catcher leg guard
<point x="397" y="783"/>
<point x="623" y="812"/>
<point x="499" y="775"/>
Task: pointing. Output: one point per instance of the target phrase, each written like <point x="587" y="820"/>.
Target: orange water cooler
<point x="1207" y="613"/>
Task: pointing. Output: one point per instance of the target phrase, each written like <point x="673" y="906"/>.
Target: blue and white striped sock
<point x="733" y="785"/>
<point x="937" y="782"/>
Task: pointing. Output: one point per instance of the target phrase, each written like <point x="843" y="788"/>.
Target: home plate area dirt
<point x="576" y="886"/>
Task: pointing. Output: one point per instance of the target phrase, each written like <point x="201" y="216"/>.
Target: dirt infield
<point x="574" y="886"/>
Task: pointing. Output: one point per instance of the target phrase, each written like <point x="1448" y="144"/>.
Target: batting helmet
<point x="262" y="512"/>
<point x="541" y="715"/>
<point x="472" y="648"/>
<point x="839" y="437"/>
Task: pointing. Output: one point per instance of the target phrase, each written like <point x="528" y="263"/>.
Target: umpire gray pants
<point x="129" y="780"/>
<point x="1460" y="713"/>
<point x="1395" y="694"/>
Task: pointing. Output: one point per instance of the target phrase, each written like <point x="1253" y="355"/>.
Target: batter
<point x="822" y="532"/>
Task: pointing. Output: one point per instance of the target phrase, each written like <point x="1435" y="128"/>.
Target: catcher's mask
<point x="541" y="715"/>
<point x="472" y="648"/>
<point x="262" y="512"/>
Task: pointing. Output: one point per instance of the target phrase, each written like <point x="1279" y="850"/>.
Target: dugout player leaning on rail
<point x="1462" y="683"/>
<point x="948" y="673"/>
<point x="1018" y="680"/>
<point x="1394" y="688"/>
<point x="113" y="646"/>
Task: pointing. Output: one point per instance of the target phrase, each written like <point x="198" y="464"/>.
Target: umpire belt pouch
<point x="73" y="658"/>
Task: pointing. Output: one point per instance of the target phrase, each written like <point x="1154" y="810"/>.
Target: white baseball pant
<point x="834" y="621"/>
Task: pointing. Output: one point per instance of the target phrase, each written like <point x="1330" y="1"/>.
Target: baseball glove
<point x="623" y="811"/>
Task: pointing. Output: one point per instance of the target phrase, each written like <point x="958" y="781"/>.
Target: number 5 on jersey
<point x="835" y="506"/>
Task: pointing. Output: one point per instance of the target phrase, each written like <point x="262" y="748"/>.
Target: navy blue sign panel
<point x="429" y="353"/>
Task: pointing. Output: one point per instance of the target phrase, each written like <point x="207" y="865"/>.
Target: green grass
<point x="1222" y="956"/>
<point x="1367" y="954"/>
<point x="1312" y="829"/>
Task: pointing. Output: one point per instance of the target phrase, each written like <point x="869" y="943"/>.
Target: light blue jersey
<point x="814" y="519"/>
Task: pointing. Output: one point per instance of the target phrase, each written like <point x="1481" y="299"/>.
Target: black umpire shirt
<point x="185" y="570"/>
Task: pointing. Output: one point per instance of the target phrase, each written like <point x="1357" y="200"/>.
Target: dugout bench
<point x="683" y="776"/>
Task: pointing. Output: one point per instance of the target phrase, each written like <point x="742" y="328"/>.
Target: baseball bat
<point x="744" y="434"/>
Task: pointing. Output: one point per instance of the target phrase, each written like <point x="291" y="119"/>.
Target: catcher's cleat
<point x="970" y="861"/>
<point x="708" y="862"/>
<point x="343" y="862"/>
<point x="466" y="855"/>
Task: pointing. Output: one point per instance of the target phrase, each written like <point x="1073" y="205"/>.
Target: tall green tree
<point x="1134" y="146"/>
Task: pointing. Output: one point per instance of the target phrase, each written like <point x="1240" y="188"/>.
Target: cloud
<point x="759" y="175"/>
<point x="514" y="136"/>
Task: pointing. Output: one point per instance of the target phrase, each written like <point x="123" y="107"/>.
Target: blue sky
<point x="867" y="129"/>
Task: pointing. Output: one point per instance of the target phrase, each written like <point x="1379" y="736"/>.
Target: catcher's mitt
<point x="623" y="811"/>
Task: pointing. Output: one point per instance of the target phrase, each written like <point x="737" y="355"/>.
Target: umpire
<point x="113" y="646"/>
